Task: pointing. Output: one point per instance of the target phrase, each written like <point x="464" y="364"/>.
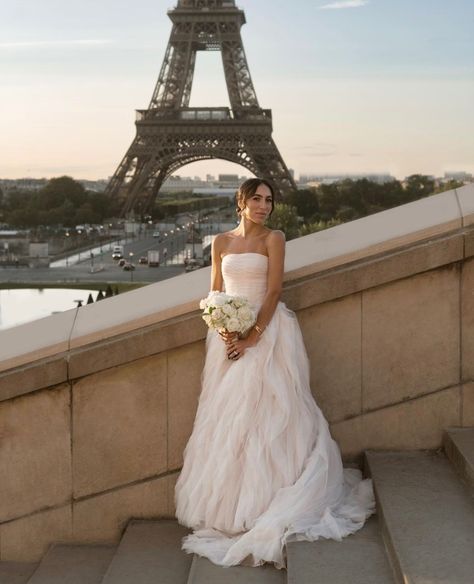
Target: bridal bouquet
<point x="227" y="313"/>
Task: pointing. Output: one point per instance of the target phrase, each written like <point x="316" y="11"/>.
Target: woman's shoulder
<point x="275" y="243"/>
<point x="221" y="241"/>
<point x="222" y="238"/>
<point x="275" y="237"/>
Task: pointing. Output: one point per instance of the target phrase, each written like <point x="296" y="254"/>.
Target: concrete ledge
<point x="465" y="196"/>
<point x="337" y="248"/>
<point x="327" y="285"/>
<point x="37" y="375"/>
<point x="36" y="340"/>
<point x="469" y="244"/>
<point x="109" y="351"/>
<point x="375" y="234"/>
<point x="151" y="340"/>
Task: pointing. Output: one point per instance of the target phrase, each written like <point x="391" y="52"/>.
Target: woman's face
<point x="259" y="206"/>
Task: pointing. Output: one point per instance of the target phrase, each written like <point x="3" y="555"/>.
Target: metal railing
<point x="215" y="114"/>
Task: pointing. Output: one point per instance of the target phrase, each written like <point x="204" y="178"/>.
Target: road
<point x="105" y="269"/>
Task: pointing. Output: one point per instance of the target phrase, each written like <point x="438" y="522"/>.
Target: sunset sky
<point x="355" y="86"/>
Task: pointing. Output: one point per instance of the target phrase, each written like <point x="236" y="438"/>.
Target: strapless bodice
<point x="245" y="274"/>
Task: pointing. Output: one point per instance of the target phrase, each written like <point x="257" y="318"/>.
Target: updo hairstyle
<point x="248" y="189"/>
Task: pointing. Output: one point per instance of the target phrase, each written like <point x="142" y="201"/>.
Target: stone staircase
<point x="423" y="532"/>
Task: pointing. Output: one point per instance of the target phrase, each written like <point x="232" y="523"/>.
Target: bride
<point x="260" y="468"/>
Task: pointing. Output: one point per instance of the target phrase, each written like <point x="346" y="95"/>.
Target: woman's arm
<point x="216" y="272"/>
<point x="276" y="262"/>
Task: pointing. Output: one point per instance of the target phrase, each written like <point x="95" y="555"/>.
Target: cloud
<point x="344" y="4"/>
<point x="54" y="44"/>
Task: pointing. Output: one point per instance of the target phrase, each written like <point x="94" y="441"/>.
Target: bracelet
<point x="258" y="329"/>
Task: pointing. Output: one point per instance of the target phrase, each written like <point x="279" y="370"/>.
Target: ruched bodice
<point x="245" y="274"/>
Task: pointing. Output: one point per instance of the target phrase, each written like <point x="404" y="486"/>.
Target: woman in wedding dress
<point x="260" y="468"/>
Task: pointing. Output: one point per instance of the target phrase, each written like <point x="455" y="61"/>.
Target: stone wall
<point x="93" y="426"/>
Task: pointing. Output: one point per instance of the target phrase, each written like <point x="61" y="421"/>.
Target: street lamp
<point x="67" y="249"/>
<point x="131" y="266"/>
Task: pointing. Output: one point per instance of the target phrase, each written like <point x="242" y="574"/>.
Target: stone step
<point x="459" y="447"/>
<point x="427" y="517"/>
<point x="16" y="572"/>
<point x="205" y="572"/>
<point x="73" y="564"/>
<point x="150" y="553"/>
<point x="359" y="559"/>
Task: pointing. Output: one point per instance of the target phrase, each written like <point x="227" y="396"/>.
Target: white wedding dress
<point x="260" y="468"/>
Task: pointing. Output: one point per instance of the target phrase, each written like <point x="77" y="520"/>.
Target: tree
<point x="86" y="214"/>
<point x="392" y="194"/>
<point x="23" y="217"/>
<point x="284" y="217"/>
<point x="418" y="186"/>
<point x="329" y="201"/>
<point x="57" y="190"/>
<point x="305" y="201"/>
<point x="318" y="226"/>
<point x="448" y="186"/>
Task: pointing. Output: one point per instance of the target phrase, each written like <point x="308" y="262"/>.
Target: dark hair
<point x="248" y="189"/>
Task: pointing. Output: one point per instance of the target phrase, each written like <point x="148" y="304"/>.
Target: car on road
<point x="192" y="265"/>
<point x="143" y="260"/>
<point x="117" y="252"/>
<point x="153" y="259"/>
<point x="128" y="267"/>
<point x="156" y="234"/>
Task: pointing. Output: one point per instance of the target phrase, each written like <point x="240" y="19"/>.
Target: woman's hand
<point x="226" y="336"/>
<point x="236" y="346"/>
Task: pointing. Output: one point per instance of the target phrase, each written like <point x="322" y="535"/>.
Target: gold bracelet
<point x="258" y="329"/>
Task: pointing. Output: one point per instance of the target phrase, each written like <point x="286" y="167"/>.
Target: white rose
<point x="245" y="313"/>
<point x="233" y="325"/>
<point x="217" y="314"/>
<point x="228" y="310"/>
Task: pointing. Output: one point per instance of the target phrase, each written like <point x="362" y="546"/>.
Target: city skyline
<point x="357" y="86"/>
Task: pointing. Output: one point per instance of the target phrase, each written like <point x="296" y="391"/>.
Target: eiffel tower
<point x="170" y="134"/>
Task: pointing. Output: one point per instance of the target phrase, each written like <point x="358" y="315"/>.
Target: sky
<point x="355" y="86"/>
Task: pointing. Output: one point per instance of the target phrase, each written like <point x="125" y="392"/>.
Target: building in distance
<point x="314" y="180"/>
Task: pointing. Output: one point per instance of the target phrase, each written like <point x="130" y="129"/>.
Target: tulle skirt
<point x="260" y="468"/>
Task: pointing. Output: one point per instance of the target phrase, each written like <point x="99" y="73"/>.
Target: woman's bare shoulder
<point x="221" y="241"/>
<point x="275" y="237"/>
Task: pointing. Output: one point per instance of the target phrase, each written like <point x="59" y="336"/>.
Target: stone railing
<point x="97" y="403"/>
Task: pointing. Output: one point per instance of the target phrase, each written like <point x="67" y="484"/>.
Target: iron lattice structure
<point x="170" y="134"/>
